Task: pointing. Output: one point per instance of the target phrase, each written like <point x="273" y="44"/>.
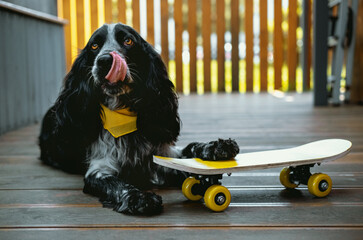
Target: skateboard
<point x="297" y="161"/>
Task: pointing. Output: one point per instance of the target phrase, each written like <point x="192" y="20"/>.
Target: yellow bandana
<point x="119" y="122"/>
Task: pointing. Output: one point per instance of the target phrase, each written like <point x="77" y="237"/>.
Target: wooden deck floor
<point x="38" y="202"/>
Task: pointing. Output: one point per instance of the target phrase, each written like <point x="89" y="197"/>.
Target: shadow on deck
<point x="38" y="202"/>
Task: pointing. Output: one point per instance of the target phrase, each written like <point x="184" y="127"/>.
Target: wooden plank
<point x="58" y="68"/>
<point x="29" y="68"/>
<point x="243" y="195"/>
<point x="94" y="15"/>
<point x="187" y="216"/>
<point x="320" y="54"/>
<point x="80" y="24"/>
<point x="164" y="12"/>
<point x="46" y="198"/>
<point x="136" y="15"/>
<point x="278" y="43"/>
<point x="12" y="86"/>
<point x="150" y="22"/>
<point x="178" y="18"/>
<point x="53" y="65"/>
<point x="192" y="29"/>
<point x="108" y="11"/>
<point x="235" y="42"/>
<point x="35" y="175"/>
<point x="249" y="45"/>
<point x="37" y="72"/>
<point x="306" y="65"/>
<point x="309" y="46"/>
<point x="206" y="31"/>
<point x="19" y="78"/>
<point x="291" y="44"/>
<point x="43" y="63"/>
<point x="39" y="176"/>
<point x="263" y="45"/>
<point x="220" y="44"/>
<point x="182" y="233"/>
<point x="60" y="9"/>
<point x="121" y="6"/>
<point x="67" y="33"/>
<point x="3" y="92"/>
<point x="357" y="85"/>
<point x="8" y="41"/>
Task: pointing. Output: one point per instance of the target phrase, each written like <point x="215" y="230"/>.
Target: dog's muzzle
<point x="118" y="68"/>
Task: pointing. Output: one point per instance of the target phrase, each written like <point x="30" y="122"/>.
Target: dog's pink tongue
<point x="118" y="69"/>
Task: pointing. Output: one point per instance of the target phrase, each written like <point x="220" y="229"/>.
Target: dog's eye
<point x="94" y="46"/>
<point x="128" y="42"/>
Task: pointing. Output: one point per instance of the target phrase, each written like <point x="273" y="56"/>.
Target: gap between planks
<point x="240" y="205"/>
<point x="184" y="226"/>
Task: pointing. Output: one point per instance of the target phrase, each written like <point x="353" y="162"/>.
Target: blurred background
<point x="191" y="35"/>
<point x="209" y="46"/>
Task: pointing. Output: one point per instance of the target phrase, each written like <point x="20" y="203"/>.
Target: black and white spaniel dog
<point x="119" y="70"/>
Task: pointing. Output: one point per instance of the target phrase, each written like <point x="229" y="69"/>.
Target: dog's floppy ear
<point x="159" y="119"/>
<point x="77" y="107"/>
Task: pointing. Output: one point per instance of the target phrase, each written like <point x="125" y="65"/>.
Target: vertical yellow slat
<point x="308" y="47"/>
<point x="73" y="23"/>
<point x="292" y="52"/>
<point x="121" y="5"/>
<point x="220" y="44"/>
<point x="235" y="43"/>
<point x="278" y="41"/>
<point x="87" y="20"/>
<point x="192" y="29"/>
<point x="206" y="30"/>
<point x="108" y="11"/>
<point x="136" y="15"/>
<point x="263" y="45"/>
<point x="101" y="13"/>
<point x="67" y="32"/>
<point x="80" y="24"/>
<point x="164" y="12"/>
<point x="150" y="22"/>
<point x="178" y="18"/>
<point x="60" y="8"/>
<point x="94" y="15"/>
<point x="249" y="45"/>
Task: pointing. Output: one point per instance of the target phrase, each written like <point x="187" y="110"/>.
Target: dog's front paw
<point x="222" y="149"/>
<point x="136" y="202"/>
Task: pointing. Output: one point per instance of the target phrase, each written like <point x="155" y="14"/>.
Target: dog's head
<point x="118" y="68"/>
<point x="115" y="51"/>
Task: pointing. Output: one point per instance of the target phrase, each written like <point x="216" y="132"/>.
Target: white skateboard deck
<point x="314" y="152"/>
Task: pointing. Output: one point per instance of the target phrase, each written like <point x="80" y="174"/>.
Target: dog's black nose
<point x="104" y="64"/>
<point x="105" y="61"/>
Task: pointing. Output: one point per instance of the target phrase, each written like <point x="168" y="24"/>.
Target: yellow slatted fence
<point x="208" y="45"/>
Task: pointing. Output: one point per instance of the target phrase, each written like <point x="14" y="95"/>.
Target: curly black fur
<point x="118" y="170"/>
<point x="214" y="150"/>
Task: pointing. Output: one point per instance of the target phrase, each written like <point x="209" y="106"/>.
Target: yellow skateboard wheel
<point x="187" y="189"/>
<point x="319" y="185"/>
<point x="217" y="198"/>
<point x="285" y="178"/>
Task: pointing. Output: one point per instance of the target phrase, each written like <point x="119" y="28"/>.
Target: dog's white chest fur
<point x="108" y="154"/>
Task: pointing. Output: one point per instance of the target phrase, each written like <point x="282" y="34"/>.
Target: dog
<point x="119" y="73"/>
